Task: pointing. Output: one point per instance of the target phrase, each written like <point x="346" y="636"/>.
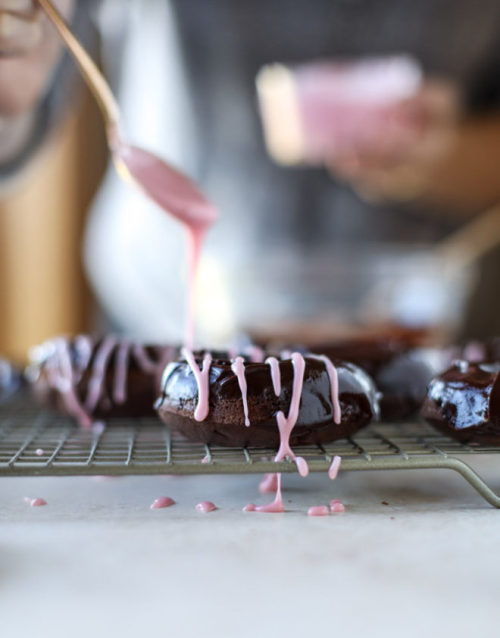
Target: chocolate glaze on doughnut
<point x="271" y="389"/>
<point x="91" y="378"/>
<point x="401" y="372"/>
<point x="464" y="402"/>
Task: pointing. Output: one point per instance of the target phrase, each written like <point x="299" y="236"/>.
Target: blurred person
<point x="291" y="243"/>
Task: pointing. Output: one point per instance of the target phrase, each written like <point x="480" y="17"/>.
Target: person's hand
<point x="396" y="163"/>
<point x="29" y="50"/>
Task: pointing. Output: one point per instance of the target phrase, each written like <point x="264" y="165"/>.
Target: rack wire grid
<point x="40" y="443"/>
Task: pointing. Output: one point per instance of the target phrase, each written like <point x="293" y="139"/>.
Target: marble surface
<point x="96" y="561"/>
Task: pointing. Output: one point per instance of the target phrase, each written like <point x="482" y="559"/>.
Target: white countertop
<point x="96" y="561"/>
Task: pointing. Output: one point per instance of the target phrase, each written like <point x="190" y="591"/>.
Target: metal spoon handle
<point x="93" y="77"/>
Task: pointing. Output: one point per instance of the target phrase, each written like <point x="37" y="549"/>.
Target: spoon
<point x="170" y="189"/>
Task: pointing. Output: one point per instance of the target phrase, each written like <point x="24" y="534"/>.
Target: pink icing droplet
<point x="334" y="467"/>
<point x="318" y="510"/>
<point x="205" y="507"/>
<point x="161" y="502"/>
<point x="268" y="484"/>
<point x="275" y="507"/>
<point x="336" y="506"/>
<point x="39" y="452"/>
<point x="35" y="502"/>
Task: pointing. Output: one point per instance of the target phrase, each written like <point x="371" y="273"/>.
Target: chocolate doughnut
<point x="241" y="402"/>
<point x="401" y="372"/>
<point x="464" y="402"/>
<point x="91" y="378"/>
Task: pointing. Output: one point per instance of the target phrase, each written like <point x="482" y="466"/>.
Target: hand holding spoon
<point x="169" y="188"/>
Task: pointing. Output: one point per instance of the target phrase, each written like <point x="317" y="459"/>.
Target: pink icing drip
<point x="286" y="425"/>
<point x="334" y="384"/>
<point x="202" y="381"/>
<point x="161" y="502"/>
<point x="62" y="377"/>
<point x="121" y="368"/>
<point x="96" y="383"/>
<point x="85" y="345"/>
<point x="238" y="367"/>
<point x="64" y="371"/>
<point x="39" y="452"/>
<point x="205" y="459"/>
<point x="269" y="483"/>
<point x="35" y="502"/>
<point x="318" y="510"/>
<point x="143" y="359"/>
<point x="273" y="363"/>
<point x="275" y="507"/>
<point x="336" y="506"/>
<point x="334" y="467"/>
<point x="205" y="507"/>
<point x="195" y="235"/>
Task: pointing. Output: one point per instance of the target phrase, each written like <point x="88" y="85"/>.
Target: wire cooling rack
<point x="39" y="443"/>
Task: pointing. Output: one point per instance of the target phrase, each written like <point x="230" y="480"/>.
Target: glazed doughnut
<point x="294" y="400"/>
<point x="401" y="372"/>
<point x="90" y="379"/>
<point x="464" y="402"/>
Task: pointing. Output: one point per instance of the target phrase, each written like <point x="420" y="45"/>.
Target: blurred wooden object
<point x="42" y="215"/>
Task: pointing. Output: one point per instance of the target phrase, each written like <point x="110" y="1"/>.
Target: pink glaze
<point x="275" y="507"/>
<point x="205" y="507"/>
<point x="336" y="506"/>
<point x="334" y="467"/>
<point x="202" y="381"/>
<point x="62" y="377"/>
<point x="35" y="502"/>
<point x="170" y="189"/>
<point x="286" y="424"/>
<point x="318" y="510"/>
<point x="195" y="238"/>
<point x="65" y="371"/>
<point x="273" y="363"/>
<point x="255" y="353"/>
<point x="98" y="427"/>
<point x="39" y="452"/>
<point x="161" y="502"/>
<point x="205" y="459"/>
<point x="143" y="359"/>
<point x="334" y="384"/>
<point x="177" y="195"/>
<point x="474" y="352"/>
<point x="96" y="383"/>
<point x="238" y="367"/>
<point x="121" y="368"/>
<point x="269" y="483"/>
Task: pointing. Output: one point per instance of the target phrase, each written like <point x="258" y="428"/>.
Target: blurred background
<point x="352" y="148"/>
